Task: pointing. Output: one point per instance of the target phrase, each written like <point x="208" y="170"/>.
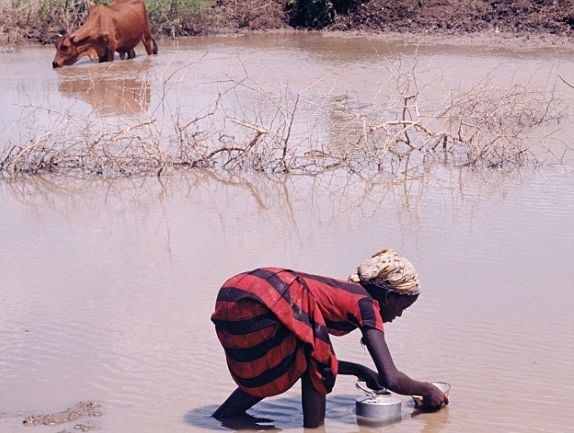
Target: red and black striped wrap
<point x="274" y="325"/>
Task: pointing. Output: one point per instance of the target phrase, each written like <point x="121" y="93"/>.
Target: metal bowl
<point x="443" y="386"/>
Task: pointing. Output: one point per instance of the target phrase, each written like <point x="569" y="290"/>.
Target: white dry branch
<point x="566" y="82"/>
<point x="487" y="125"/>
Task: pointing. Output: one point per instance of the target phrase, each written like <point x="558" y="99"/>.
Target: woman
<point x="274" y="325"/>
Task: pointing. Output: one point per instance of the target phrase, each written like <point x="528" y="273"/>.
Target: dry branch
<point x="486" y="125"/>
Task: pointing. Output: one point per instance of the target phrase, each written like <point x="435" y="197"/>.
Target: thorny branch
<point x="486" y="125"/>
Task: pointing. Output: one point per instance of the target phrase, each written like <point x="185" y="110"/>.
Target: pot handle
<point x="370" y="392"/>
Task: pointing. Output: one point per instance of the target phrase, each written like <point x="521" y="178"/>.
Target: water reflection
<point x="284" y="413"/>
<point x="87" y="262"/>
<point x="342" y="192"/>
<point x="110" y="90"/>
<point x="249" y="422"/>
<point x="432" y="422"/>
<point x="201" y="417"/>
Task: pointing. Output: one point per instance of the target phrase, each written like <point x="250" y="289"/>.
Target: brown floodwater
<point x="107" y="285"/>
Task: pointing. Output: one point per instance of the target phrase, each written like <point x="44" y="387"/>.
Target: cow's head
<point x="69" y="50"/>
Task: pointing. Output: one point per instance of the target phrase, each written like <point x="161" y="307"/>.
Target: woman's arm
<point x="370" y="377"/>
<point x="394" y="379"/>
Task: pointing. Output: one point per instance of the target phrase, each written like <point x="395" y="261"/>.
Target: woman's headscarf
<point x="389" y="270"/>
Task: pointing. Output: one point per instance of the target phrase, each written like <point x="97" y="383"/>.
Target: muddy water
<point x="107" y="286"/>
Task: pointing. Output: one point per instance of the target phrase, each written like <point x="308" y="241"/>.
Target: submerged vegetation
<point x="288" y="132"/>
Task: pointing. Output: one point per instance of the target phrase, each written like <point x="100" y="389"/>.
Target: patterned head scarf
<point x="387" y="269"/>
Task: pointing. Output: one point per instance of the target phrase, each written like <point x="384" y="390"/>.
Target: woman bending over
<point x="275" y="326"/>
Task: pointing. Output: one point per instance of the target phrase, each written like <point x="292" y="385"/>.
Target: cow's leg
<point x="108" y="47"/>
<point x="111" y="53"/>
<point x="129" y="53"/>
<point x="149" y="43"/>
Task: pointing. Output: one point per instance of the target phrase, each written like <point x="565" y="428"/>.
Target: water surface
<point x="107" y="285"/>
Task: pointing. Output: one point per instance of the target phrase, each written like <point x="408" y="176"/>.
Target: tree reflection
<point x="342" y="192"/>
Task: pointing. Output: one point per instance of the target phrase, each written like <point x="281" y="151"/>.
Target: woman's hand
<point x="371" y="378"/>
<point x="434" y="398"/>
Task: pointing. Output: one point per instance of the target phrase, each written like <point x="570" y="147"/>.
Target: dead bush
<point x="289" y="132"/>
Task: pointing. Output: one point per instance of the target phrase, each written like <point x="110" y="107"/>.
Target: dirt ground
<point x="552" y="20"/>
<point x="461" y="16"/>
<point x="553" y="17"/>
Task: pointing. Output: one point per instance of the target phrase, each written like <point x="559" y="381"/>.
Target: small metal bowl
<point x="443" y="386"/>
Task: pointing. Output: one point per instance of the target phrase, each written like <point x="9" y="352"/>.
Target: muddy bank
<point x="414" y="16"/>
<point x="438" y="18"/>
<point x="461" y="16"/>
<point x="491" y="40"/>
<point x="419" y="16"/>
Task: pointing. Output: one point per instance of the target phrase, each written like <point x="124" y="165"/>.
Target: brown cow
<point x="117" y="27"/>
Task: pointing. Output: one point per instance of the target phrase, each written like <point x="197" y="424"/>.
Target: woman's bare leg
<point x="313" y="404"/>
<point x="236" y="404"/>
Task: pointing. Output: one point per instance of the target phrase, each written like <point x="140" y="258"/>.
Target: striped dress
<point x="274" y="324"/>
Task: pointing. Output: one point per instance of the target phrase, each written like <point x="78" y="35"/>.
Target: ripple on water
<point x="123" y="317"/>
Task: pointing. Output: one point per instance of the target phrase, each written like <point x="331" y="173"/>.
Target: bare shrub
<point x="290" y="132"/>
<point x="64" y="14"/>
<point x="489" y="125"/>
<point x="41" y="20"/>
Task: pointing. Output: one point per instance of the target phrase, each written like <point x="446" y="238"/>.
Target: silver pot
<point x="377" y="407"/>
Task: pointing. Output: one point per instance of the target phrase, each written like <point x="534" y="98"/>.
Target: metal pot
<point x="377" y="407"/>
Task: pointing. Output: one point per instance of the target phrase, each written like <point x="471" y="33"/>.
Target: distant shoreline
<point x="484" y="39"/>
<point x="533" y="23"/>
